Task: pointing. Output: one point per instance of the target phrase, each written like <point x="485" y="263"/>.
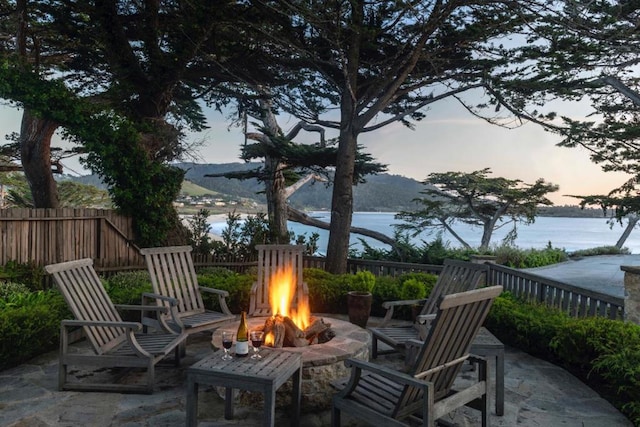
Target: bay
<point x="570" y="234"/>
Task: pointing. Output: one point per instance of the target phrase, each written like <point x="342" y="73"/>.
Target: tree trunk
<point x="276" y="201"/>
<point x="35" y="133"/>
<point x="35" y="154"/>
<point x="632" y="221"/>
<point x="342" y="201"/>
<point x="275" y="188"/>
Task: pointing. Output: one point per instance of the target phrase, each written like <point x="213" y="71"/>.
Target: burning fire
<point x="282" y="292"/>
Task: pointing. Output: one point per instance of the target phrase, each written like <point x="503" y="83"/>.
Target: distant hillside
<point x="382" y="192"/>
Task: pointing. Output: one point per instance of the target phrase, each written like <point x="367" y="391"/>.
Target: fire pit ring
<point x="321" y="363"/>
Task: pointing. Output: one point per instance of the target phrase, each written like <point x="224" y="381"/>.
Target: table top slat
<point x="273" y="365"/>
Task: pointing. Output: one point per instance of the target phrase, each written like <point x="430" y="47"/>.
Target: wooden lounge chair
<point x="115" y="343"/>
<point x="173" y="276"/>
<point x="380" y="395"/>
<point x="272" y="259"/>
<point x="456" y="276"/>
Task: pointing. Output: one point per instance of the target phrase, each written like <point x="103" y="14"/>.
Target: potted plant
<point x="359" y="297"/>
<point x="413" y="290"/>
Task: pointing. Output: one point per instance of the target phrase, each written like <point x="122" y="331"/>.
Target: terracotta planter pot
<point x="359" y="307"/>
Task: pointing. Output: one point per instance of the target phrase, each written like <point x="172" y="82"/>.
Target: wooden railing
<point x="575" y="301"/>
<point x="378" y="268"/>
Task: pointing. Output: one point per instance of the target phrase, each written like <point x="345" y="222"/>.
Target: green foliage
<point x="412" y="289"/>
<point x="128" y="287"/>
<point x="238" y="285"/>
<point x="29" y="273"/>
<point x="608" y="355"/>
<point x="526" y="326"/>
<point x="601" y="352"/>
<point x="198" y="230"/>
<point x="239" y="238"/>
<point x="600" y="250"/>
<point x="323" y="294"/>
<point x="30" y="326"/>
<point x="7" y="289"/>
<point x="437" y="251"/>
<point x="529" y="258"/>
<point x="362" y="281"/>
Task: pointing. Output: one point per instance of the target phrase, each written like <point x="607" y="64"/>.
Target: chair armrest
<point x="222" y="295"/>
<point x="391" y="305"/>
<point x="161" y="320"/>
<point x="170" y="300"/>
<point x="157" y="308"/>
<point x="213" y="291"/>
<point x="424" y="318"/>
<point x="358" y="366"/>
<point x="135" y="326"/>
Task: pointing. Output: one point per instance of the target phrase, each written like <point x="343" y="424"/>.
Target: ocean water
<point x="570" y="234"/>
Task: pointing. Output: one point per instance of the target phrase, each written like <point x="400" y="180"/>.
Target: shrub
<point x="362" y="281"/>
<point x="128" y="287"/>
<point x="29" y="274"/>
<point x="322" y="292"/>
<point x="412" y="289"/>
<point x="603" y="353"/>
<point x="9" y="288"/>
<point x="238" y="286"/>
<point x="600" y="250"/>
<point x="30" y="326"/>
<point x="530" y="327"/>
<point x="608" y="358"/>
<point x="528" y="258"/>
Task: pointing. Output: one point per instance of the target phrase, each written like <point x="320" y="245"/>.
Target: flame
<point x="282" y="291"/>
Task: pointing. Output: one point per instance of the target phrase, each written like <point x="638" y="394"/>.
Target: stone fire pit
<point x="322" y="363"/>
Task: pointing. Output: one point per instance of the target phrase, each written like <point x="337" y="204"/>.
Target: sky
<point x="448" y="139"/>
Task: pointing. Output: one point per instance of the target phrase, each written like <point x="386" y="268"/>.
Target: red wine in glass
<point x="257" y="338"/>
<point x="227" y="342"/>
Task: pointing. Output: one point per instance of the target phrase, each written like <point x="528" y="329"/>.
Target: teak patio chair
<point x="273" y="259"/>
<point x="173" y="276"/>
<point x="456" y="276"/>
<point x="116" y="343"/>
<point x="380" y="395"/>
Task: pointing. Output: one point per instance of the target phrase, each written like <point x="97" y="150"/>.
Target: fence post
<point x="631" y="293"/>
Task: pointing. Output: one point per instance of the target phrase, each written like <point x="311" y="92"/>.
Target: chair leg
<point x="62" y="375"/>
<point x="335" y="416"/>
<point x="483" y="373"/>
<point x="151" y="376"/>
<point x="374" y="347"/>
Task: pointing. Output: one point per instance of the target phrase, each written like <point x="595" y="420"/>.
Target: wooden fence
<point x="46" y="236"/>
<point x="575" y="301"/>
<point x="378" y="268"/>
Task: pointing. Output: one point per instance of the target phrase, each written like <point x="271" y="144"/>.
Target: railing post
<point x="631" y="293"/>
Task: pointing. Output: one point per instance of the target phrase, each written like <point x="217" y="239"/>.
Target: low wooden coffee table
<point x="265" y="375"/>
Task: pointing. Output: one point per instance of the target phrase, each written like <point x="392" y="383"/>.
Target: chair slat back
<point x="456" y="276"/>
<point x="173" y="274"/>
<point x="272" y="259"/>
<point x="88" y="300"/>
<point x="440" y="358"/>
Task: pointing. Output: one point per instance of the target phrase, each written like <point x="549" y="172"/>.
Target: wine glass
<point x="256" y="341"/>
<point x="227" y="342"/>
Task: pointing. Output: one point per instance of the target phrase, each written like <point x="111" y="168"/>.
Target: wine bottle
<point x="242" y="337"/>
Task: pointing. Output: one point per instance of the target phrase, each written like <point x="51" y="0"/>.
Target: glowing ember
<point x="282" y="296"/>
